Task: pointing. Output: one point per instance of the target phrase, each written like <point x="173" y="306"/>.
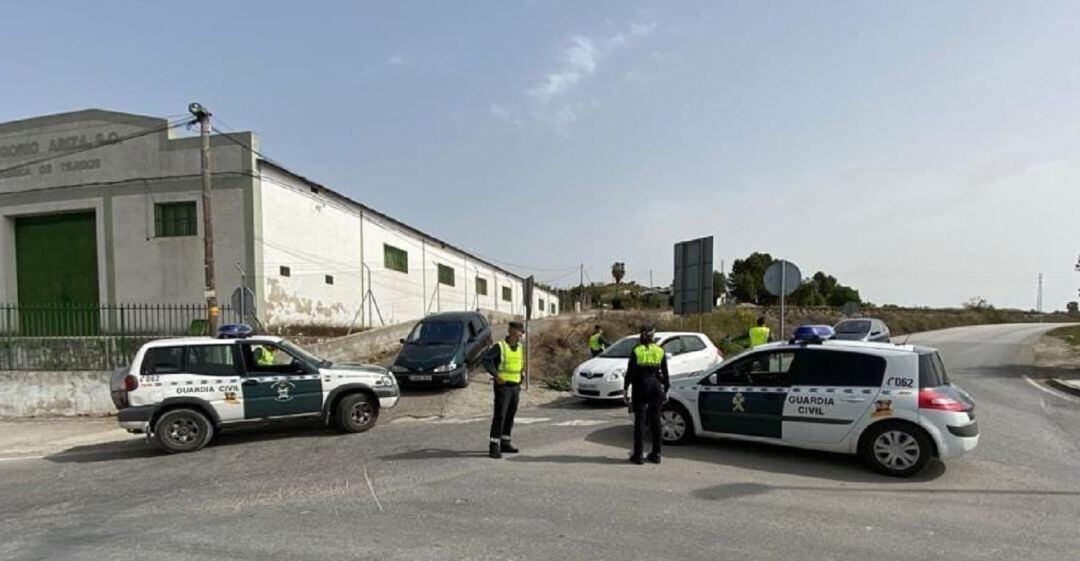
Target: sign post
<point x="781" y="279"/>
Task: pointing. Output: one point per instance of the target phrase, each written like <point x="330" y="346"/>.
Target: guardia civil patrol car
<point x="181" y="391"/>
<point x="893" y="405"/>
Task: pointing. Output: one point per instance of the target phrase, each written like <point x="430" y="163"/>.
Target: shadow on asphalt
<point x="738" y="490"/>
<point x="254" y="432"/>
<point x="435" y="454"/>
<point x="1014" y="371"/>
<point x="769" y="458"/>
<point x="579" y="404"/>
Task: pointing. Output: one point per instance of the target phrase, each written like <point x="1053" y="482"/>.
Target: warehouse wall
<point x="315" y="233"/>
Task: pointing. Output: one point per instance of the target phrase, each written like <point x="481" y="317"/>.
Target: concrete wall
<point x="362" y="346"/>
<point x="31" y="394"/>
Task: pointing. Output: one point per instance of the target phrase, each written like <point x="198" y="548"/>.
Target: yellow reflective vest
<point x="649" y="356"/>
<point x="759" y="336"/>
<point x="511" y="363"/>
<point x="594" y="343"/>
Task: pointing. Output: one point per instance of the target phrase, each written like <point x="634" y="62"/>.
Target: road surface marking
<point x="1050" y="391"/>
<point x="458" y="421"/>
<point x="530" y="420"/>
<point x="579" y="423"/>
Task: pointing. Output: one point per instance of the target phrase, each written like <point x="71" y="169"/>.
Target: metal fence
<point x="92" y="337"/>
<point x="118" y="320"/>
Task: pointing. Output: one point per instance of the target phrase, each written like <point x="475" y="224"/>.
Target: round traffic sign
<point x="782" y="276"/>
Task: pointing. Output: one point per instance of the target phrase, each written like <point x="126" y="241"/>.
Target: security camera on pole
<point x="781" y="279"/>
<point x="202" y="114"/>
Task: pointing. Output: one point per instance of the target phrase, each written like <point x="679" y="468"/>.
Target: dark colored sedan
<point x="441" y="348"/>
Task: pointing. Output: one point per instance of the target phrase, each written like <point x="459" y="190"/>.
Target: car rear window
<point x="819" y="367"/>
<point x="932" y="373"/>
<point x="163" y="360"/>
<point x="854" y="326"/>
<point x="692" y="344"/>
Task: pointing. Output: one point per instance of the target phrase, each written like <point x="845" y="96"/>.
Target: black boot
<point x="507" y="448"/>
<point x="493" y="451"/>
<point x="637" y="460"/>
<point x="654" y="458"/>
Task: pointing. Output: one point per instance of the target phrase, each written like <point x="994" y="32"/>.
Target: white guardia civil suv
<point x="893" y="405"/>
<point x="181" y="391"/>
<point x="601" y="377"/>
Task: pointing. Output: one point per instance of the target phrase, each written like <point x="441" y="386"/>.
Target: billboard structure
<point x="693" y="285"/>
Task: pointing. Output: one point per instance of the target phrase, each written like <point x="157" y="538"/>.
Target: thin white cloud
<point x="551" y="98"/>
<point x="397" y="60"/>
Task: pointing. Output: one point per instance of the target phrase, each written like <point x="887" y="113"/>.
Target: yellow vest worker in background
<point x="759" y="335"/>
<point x="597" y="343"/>
<point x="647" y="376"/>
<point x="505" y="361"/>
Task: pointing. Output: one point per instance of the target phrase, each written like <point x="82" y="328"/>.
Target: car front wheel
<point x="676" y="427"/>
<point x="357" y="412"/>
<point x="896" y="449"/>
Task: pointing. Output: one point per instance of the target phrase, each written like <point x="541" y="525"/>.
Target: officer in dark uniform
<point x="505" y="361"/>
<point x="647" y="375"/>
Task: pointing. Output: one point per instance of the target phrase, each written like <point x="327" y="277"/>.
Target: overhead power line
<point x="95" y="146"/>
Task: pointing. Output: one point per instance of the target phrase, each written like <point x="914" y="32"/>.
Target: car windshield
<point x="853" y="327"/>
<point x="436" y="333"/>
<point x="621" y="349"/>
<point x="300" y="353"/>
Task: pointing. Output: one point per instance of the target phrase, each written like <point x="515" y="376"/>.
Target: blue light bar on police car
<point x="812" y="333"/>
<point x="234" y="331"/>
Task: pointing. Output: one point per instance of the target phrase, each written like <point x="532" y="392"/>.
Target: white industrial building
<point x="102" y="207"/>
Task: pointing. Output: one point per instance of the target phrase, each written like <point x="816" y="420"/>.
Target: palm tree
<point x="618" y="271"/>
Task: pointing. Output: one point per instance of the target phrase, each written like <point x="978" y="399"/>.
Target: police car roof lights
<point x="234" y="331"/>
<point x="812" y="334"/>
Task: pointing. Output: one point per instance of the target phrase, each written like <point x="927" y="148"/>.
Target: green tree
<point x="747" y="280"/>
<point x="841" y="295"/>
<point x="719" y="285"/>
<point x="618" y="271"/>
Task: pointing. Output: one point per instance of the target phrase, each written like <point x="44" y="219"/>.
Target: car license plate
<point x="587" y="386"/>
<point x="422" y="378"/>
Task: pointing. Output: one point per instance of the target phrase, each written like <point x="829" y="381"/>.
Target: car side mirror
<point x="669" y="355"/>
<point x="713" y="379"/>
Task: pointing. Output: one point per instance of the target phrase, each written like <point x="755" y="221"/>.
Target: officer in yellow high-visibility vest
<point x="505" y="361"/>
<point x="647" y="377"/>
<point x="265" y="356"/>
<point x="759" y="334"/>
<point x="597" y="343"/>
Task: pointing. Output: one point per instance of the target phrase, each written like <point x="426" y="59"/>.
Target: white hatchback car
<point x="892" y="405"/>
<point x="601" y="377"/>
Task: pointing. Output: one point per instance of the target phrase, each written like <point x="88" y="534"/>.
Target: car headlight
<point x="398" y="368"/>
<point x="616" y="374"/>
<point x="446" y="367"/>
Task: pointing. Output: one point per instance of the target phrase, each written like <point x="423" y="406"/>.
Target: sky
<point x="923" y="152"/>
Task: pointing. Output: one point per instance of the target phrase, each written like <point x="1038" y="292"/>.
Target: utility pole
<point x="581" y="287"/>
<point x="203" y="116"/>
<point x="650" y="278"/>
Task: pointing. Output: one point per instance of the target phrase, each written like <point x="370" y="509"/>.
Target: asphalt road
<point x="425" y="490"/>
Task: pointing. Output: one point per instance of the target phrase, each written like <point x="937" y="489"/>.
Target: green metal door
<point x="57" y="274"/>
